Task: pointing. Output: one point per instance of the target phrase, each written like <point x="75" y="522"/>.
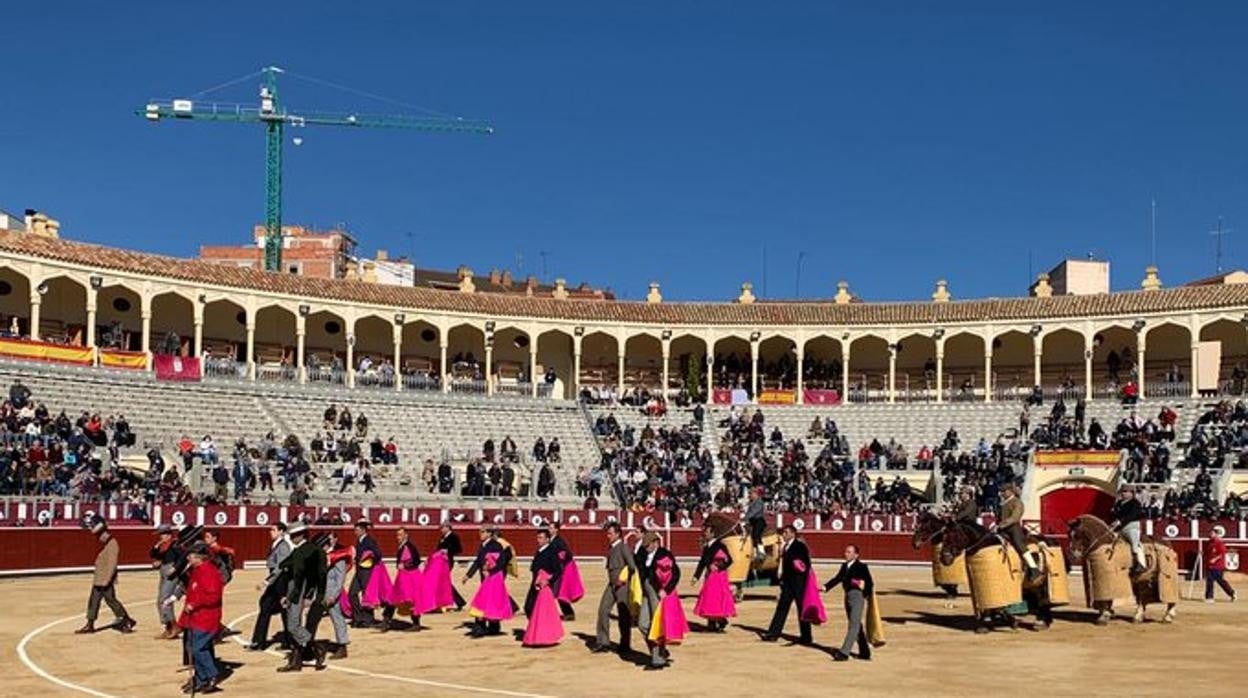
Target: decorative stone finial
<point x="561" y="289"/>
<point x="1151" y="281"/>
<point x="747" y="294"/>
<point x="842" y="293"/>
<point x="1042" y="289"/>
<point x="465" y="280"/>
<point x="941" y="294"/>
<point x="654" y="296"/>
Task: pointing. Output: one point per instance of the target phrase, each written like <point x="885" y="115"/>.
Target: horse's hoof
<point x="1102" y="620"/>
<point x="1136" y="620"/>
<point x="981" y="630"/>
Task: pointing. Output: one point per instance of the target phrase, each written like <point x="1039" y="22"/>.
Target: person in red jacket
<point x="201" y="617"/>
<point x="1216" y="568"/>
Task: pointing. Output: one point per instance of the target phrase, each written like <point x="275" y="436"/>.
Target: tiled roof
<point x="759" y="314"/>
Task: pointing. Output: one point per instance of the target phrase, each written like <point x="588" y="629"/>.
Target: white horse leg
<point x="1139" y="613"/>
<point x="1171" y="611"/>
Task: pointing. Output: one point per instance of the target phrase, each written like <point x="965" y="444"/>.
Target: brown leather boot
<point x="294" y="661"/>
<point x="340" y="653"/>
<point x="86" y="629"/>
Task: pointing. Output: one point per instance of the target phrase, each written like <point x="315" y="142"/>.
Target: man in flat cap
<point x="104" y="580"/>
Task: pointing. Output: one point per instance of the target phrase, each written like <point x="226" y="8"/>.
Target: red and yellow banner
<point x="777" y="397"/>
<point x="123" y="359"/>
<point x="1067" y="459"/>
<point x="41" y="351"/>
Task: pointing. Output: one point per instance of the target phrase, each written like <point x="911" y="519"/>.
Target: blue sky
<point x="683" y="142"/>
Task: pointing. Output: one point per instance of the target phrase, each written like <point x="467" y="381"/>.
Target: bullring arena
<point x="281" y="466"/>
<point x="930" y="651"/>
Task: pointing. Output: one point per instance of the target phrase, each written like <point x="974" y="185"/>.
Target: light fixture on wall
<point x="399" y="318"/>
<point x="1138" y="324"/>
<point x="579" y="331"/>
<point x="97" y="281"/>
<point x="1036" y="330"/>
<point x="42" y="288"/>
<point x="203" y="298"/>
<point x="489" y="326"/>
<point x="351" y="339"/>
<point x="304" y="310"/>
<point x="755" y="335"/>
<point x="666" y="334"/>
<point x="938" y="333"/>
<point x="895" y="347"/>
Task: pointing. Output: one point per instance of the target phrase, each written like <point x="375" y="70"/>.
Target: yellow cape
<point x="875" y="625"/>
<point x="634" y="591"/>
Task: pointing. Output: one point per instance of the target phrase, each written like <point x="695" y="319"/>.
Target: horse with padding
<point x="746" y="569"/>
<point x="929" y="529"/>
<point x="1107" y="572"/>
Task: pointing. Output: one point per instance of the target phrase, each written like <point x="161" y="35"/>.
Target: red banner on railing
<point x="815" y="396"/>
<point x="177" y="368"/>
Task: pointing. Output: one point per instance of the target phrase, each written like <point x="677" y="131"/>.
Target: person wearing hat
<point x="272" y="589"/>
<point x="755" y="518"/>
<point x="201" y="617"/>
<point x="104" y="580"/>
<point x="339" y="564"/>
<point x="1125" y="517"/>
<point x="367" y="555"/>
<point x="307" y="567"/>
<point x="1010" y="526"/>
<point x="491" y="604"/>
<point x="1215" y="568"/>
<point x="661" y="619"/>
<point x="167" y="558"/>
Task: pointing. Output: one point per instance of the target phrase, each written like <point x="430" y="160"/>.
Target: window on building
<point x="294" y="268"/>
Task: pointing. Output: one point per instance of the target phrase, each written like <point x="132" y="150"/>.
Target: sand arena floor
<point x="931" y="651"/>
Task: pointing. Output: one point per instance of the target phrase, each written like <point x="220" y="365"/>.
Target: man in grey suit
<point x="272" y="589"/>
<point x="615" y="596"/>
<point x="335" y="580"/>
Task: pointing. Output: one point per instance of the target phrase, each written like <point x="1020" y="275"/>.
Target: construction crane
<point x="275" y="118"/>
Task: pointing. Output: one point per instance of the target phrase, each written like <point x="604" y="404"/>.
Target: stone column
<point x="892" y="372"/>
<point x="619" y="366"/>
<point x="442" y="367"/>
<point x="199" y="333"/>
<point x="146" y="315"/>
<point x="36" y="301"/>
<point x="533" y="368"/>
<point x="710" y="378"/>
<point x="489" y="365"/>
<point x="301" y="350"/>
<point x="576" y="368"/>
<point x="801" y="356"/>
<point x="1192" y="370"/>
<point x="663" y="375"/>
<point x="398" y="357"/>
<point x="251" y="347"/>
<point x="92" y="297"/>
<point x="754" y="371"/>
<point x="940" y="371"/>
<point x="1087" y="370"/>
<point x="351" y="357"/>
<point x="845" y="371"/>
<point x="1037" y="349"/>
<point x="988" y="373"/>
<point x="1139" y="364"/>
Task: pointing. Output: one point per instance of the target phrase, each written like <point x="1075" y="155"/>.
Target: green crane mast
<point x="275" y="117"/>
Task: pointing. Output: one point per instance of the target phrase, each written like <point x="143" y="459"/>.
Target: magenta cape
<point x="715" y="601"/>
<point x="491" y="601"/>
<point x="344" y="603"/>
<point x="669" y="625"/>
<point x="544" y="627"/>
<point x="410" y="589"/>
<point x="571" y="589"/>
<point x="812" y="603"/>
<point x="379" y="588"/>
<point x="438" y="581"/>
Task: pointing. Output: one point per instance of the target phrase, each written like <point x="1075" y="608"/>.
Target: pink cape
<point x="544" y="627"/>
<point x="379" y="588"/>
<point x="812" y="603"/>
<point x="715" y="601"/>
<point x="669" y="626"/>
<point x="491" y="601"/>
<point x="438" y="581"/>
<point x="571" y="589"/>
<point x="410" y="589"/>
<point x="344" y="603"/>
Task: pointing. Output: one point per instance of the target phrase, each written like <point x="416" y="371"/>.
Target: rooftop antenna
<point x="1153" y="232"/>
<point x="1218" y="233"/>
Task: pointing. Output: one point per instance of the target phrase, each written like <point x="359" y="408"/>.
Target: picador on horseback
<point x="1125" y="517"/>
<point x="1010" y="526"/>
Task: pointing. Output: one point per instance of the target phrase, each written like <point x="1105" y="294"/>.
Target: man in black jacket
<point x="545" y="559"/>
<point x="855" y="578"/>
<point x="306" y="567"/>
<point x="451" y="544"/>
<point x="794" y="567"/>
<point x="367" y="555"/>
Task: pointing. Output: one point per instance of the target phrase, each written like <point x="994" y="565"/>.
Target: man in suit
<point x="272" y="589"/>
<point x="367" y="555"/>
<point x="855" y="578"/>
<point x="794" y="566"/>
<point x="451" y="544"/>
<point x="652" y="585"/>
<point x="307" y="568"/>
<point x="620" y="566"/>
<point x="339" y="564"/>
